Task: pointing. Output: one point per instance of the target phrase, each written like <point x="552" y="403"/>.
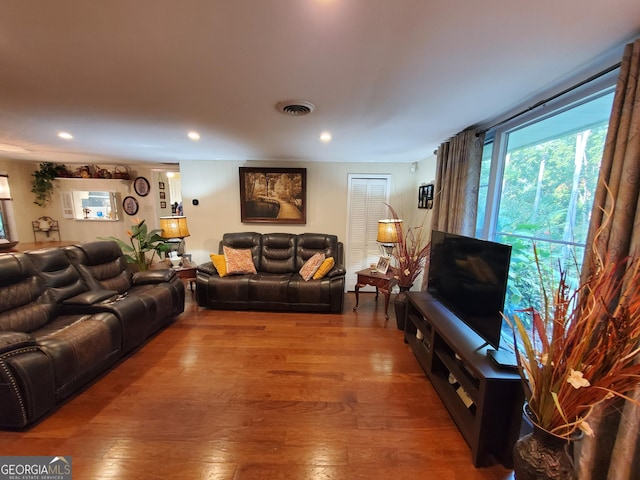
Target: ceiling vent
<point x="295" y="108"/>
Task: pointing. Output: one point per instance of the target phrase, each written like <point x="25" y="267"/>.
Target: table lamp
<point x="388" y="234"/>
<point x="175" y="228"/>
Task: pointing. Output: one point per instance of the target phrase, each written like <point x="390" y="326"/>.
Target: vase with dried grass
<point x="410" y="257"/>
<point x="579" y="352"/>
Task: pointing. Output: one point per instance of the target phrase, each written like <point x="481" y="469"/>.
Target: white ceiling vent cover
<point x="295" y="108"/>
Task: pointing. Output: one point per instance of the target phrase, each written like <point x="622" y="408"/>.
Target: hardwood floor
<point x="252" y="395"/>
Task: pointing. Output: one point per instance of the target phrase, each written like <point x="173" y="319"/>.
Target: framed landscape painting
<point x="273" y="195"/>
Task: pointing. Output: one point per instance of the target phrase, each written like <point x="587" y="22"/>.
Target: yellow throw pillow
<point x="239" y="261"/>
<point x="311" y="266"/>
<point x="220" y="263"/>
<point x="324" y="268"/>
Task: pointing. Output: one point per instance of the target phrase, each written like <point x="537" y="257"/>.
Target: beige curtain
<point x="457" y="181"/>
<point x="613" y="453"/>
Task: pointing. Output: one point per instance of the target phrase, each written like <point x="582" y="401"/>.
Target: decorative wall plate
<point x="130" y="205"/>
<point x="141" y="186"/>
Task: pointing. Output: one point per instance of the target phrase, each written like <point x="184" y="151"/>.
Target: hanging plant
<point x="42" y="182"/>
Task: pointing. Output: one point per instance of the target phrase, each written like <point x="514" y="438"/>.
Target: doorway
<point x="366" y="205"/>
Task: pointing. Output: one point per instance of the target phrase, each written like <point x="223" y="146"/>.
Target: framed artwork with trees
<point x="273" y="195"/>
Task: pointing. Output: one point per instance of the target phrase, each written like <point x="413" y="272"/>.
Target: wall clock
<point x="130" y="205"/>
<point x="141" y="186"/>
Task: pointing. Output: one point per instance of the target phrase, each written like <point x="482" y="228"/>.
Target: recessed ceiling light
<point x="194" y="135"/>
<point x="325" y="137"/>
<point x="65" y="135"/>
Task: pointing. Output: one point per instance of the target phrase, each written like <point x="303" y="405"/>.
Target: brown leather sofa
<point x="277" y="285"/>
<point x="68" y="314"/>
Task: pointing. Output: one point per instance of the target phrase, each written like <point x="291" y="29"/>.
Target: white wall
<point x="77" y="230"/>
<point x="215" y="184"/>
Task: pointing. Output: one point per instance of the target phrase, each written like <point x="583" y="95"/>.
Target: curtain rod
<point x="553" y="97"/>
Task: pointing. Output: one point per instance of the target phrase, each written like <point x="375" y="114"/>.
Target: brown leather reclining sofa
<point x="66" y="315"/>
<point x="277" y="285"/>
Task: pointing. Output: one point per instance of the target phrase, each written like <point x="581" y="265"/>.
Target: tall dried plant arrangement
<point x="582" y="348"/>
<point x="411" y="253"/>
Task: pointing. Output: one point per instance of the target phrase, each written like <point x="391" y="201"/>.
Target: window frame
<point x="499" y="136"/>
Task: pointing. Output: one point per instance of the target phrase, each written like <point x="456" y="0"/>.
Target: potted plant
<point x="42" y="182"/>
<point x="141" y="241"/>
<point x="410" y="256"/>
<point x="579" y="352"/>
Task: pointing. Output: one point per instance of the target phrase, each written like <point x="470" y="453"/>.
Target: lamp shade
<point x="5" y="192"/>
<point x="388" y="230"/>
<point x="174" y="227"/>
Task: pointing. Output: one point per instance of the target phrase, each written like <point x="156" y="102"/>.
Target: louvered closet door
<point x="367" y="198"/>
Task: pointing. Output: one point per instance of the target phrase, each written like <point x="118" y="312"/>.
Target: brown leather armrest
<point x="91" y="297"/>
<point x="153" y="276"/>
<point x="13" y="340"/>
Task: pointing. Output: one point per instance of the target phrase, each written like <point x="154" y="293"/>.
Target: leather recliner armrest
<point x="207" y="268"/>
<point x="13" y="340"/>
<point x="153" y="276"/>
<point x="337" y="271"/>
<point x="92" y="297"/>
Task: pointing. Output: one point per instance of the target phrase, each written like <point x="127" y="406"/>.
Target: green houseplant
<point x="42" y="182"/>
<point x="141" y="241"/>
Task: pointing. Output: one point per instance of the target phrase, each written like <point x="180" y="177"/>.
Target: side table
<point x="382" y="281"/>
<point x="187" y="273"/>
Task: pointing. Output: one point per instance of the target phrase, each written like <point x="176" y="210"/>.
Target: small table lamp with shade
<point x="175" y="229"/>
<point x="388" y="234"/>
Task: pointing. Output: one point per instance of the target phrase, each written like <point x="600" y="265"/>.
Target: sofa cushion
<point x="311" y="243"/>
<point x="20" y="290"/>
<point x="62" y="279"/>
<point x="278" y="253"/>
<point x="239" y="261"/>
<point x="78" y="343"/>
<point x="324" y="268"/>
<point x="101" y="265"/>
<point x="220" y="263"/>
<point x="311" y="266"/>
<point x="270" y="289"/>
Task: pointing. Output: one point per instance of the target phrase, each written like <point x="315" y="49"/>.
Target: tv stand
<point x="484" y="401"/>
<point x="484" y="344"/>
<point x="503" y="359"/>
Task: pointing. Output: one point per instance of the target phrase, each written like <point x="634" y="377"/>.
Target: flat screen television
<point x="469" y="276"/>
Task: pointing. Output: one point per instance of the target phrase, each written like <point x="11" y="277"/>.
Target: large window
<point x="537" y="187"/>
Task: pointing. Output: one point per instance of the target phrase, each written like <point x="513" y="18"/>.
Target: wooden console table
<point x="382" y="281"/>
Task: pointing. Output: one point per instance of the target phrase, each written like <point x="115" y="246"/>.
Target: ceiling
<point x="390" y="79"/>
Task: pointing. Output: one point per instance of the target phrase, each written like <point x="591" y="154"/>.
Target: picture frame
<point x="383" y="265"/>
<point x="130" y="205"/>
<point x="160" y="185"/>
<point x="425" y="196"/>
<point x="141" y="186"/>
<point x="163" y="195"/>
<point x="163" y="204"/>
<point x="273" y="195"/>
<point x="186" y="259"/>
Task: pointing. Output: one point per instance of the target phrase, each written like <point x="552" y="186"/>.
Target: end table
<point x="188" y="274"/>
<point x="382" y="281"/>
